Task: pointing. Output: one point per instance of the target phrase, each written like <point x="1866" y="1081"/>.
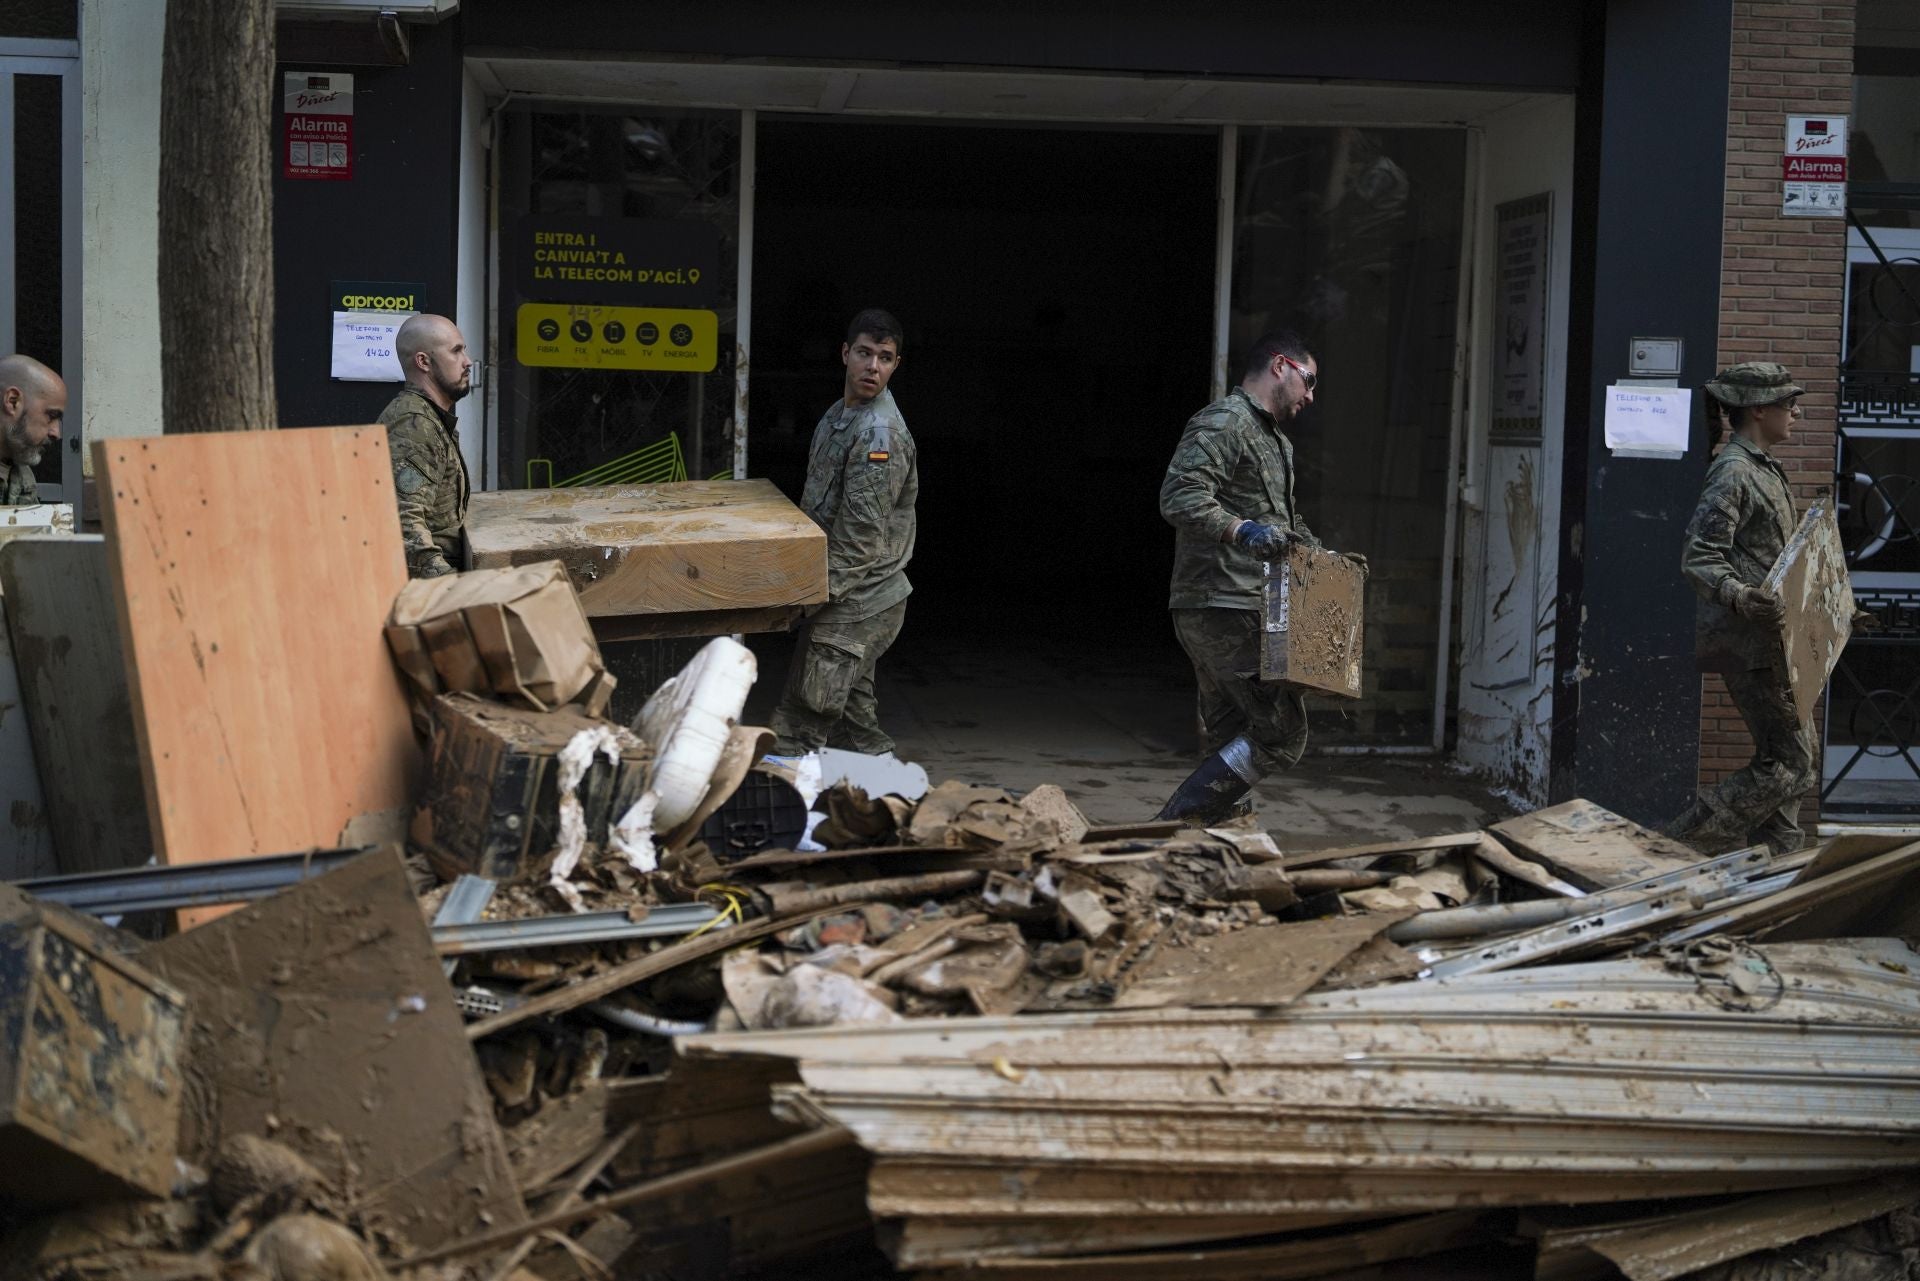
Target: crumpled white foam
<point x="575" y="759"/>
<point x="632" y="836"/>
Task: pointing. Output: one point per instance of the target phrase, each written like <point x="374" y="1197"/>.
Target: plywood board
<point x="320" y="1015"/>
<point x="690" y="546"/>
<point x="253" y="572"/>
<point x="1812" y="582"/>
<point x="1592" y="847"/>
<point x="73" y="684"/>
<point x="1313" y="613"/>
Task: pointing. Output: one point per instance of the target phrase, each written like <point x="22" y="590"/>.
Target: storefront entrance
<point x="1072" y="292"/>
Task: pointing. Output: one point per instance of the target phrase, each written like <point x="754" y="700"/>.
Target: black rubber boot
<point x="1211" y="791"/>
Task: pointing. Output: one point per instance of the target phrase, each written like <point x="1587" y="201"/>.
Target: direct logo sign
<point x="318" y="139"/>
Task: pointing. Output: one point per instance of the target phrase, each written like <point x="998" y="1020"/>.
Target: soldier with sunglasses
<point x="1229" y="496"/>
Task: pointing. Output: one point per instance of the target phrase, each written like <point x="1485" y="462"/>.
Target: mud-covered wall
<point x="1510" y="499"/>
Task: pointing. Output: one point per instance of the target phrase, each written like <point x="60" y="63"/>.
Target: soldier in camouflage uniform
<point x="862" y="481"/>
<point x="1744" y="519"/>
<point x="429" y="475"/>
<point x="1229" y="495"/>
<point x="33" y="403"/>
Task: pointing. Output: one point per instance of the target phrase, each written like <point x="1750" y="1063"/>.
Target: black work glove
<point x="1264" y="541"/>
<point x="1866" y="621"/>
<point x="1758" y="605"/>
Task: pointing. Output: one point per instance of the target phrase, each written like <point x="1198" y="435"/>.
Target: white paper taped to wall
<point x="363" y="349"/>
<point x="1653" y="419"/>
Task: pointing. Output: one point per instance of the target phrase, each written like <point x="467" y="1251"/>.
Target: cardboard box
<point x="492" y="805"/>
<point x="1313" y="615"/>
<point x="517" y="634"/>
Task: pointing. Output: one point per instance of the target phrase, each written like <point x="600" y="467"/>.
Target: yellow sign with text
<point x="573" y="336"/>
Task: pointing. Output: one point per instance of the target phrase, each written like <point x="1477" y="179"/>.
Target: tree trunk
<point x="216" y="217"/>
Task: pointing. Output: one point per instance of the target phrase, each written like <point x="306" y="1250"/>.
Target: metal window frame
<point x="59" y="58"/>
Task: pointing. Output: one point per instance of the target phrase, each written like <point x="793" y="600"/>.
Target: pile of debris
<point x="558" y="997"/>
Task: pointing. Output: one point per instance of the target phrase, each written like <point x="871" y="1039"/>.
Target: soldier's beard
<point x="19" y="448"/>
<point x="455" y="392"/>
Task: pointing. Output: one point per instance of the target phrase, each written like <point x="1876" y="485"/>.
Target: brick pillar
<point x="1781" y="279"/>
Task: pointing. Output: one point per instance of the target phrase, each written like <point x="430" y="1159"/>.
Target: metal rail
<point x="152" y="889"/>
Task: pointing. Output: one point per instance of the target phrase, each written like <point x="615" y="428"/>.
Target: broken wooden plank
<point x="1668" y="1246"/>
<point x="1158" y="830"/>
<point x="569" y="1197"/>
<point x="1592" y="847"/>
<point x="810" y="1144"/>
<point x="322" y="1011"/>
<point x="906" y="858"/>
<point x="267" y="709"/>
<point x="907" y="888"/>
<point x="558" y="1137"/>
<point x="685" y="547"/>
<point x="607" y="982"/>
<point x="1412" y="845"/>
<point x="1813" y="584"/>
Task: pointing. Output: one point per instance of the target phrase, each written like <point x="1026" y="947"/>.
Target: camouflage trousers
<point x="1224" y="648"/>
<point x="1760" y="802"/>
<point x="829" y="699"/>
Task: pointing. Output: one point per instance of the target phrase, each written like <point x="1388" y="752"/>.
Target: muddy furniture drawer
<point x="90" y="1063"/>
<point x="1313" y="614"/>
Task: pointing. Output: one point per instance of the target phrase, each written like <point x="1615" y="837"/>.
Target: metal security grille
<point x="1872" y="759"/>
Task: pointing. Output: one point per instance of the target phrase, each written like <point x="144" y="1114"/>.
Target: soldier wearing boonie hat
<point x="1744" y="519"/>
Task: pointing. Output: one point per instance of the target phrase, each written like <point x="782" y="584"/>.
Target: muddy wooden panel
<point x="691" y="546"/>
<point x="253" y="572"/>
<point x="26" y="833"/>
<point x="1313" y="610"/>
<point x="1594" y="848"/>
<point x="1269" y="965"/>
<point x="320" y="1015"/>
<point x="90" y="1062"/>
<point x="73" y="689"/>
<point x="1812" y="582"/>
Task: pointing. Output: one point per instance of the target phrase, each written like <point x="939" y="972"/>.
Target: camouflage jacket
<point x="17" y="485"/>
<point x="1233" y="463"/>
<point x="1744" y="518"/>
<point x="429" y="482"/>
<point x="863" y="478"/>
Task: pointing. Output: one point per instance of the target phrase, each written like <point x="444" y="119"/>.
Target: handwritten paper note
<point x="1649" y="420"/>
<point x="363" y="345"/>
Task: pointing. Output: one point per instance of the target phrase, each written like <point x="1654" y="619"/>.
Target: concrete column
<point x="120" y="46"/>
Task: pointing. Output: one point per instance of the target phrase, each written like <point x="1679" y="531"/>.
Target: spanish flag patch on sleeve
<point x="878" y="456"/>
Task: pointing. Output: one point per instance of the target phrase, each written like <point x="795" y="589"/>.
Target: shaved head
<point x="433" y="356"/>
<point x="29" y="375"/>
<point x="33" y="404"/>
